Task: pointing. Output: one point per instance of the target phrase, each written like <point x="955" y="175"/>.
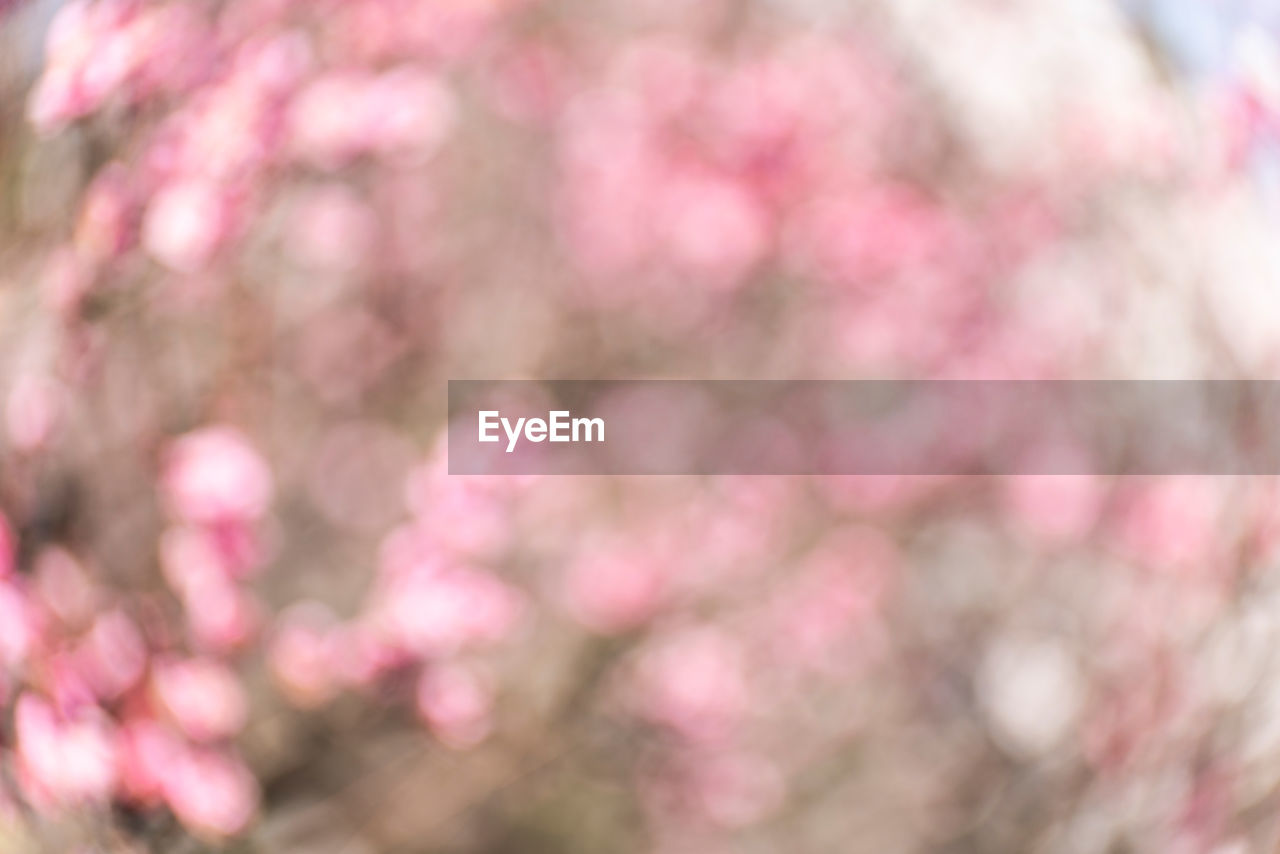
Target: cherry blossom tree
<point x="244" y="606"/>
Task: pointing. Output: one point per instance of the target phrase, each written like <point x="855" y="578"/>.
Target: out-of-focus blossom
<point x="462" y="516"/>
<point x="1056" y="508"/>
<point x="103" y="49"/>
<point x="185" y="224"/>
<point x="440" y="610"/>
<point x="148" y="753"/>
<point x="345" y="114"/>
<point x="693" y="681"/>
<point x="63" y="760"/>
<point x="833" y="601"/>
<point x="1170" y="524"/>
<point x="64" y="586"/>
<point x="222" y="617"/>
<point x="215" y="475"/>
<point x="302" y="654"/>
<point x="614" y="590"/>
<point x="331" y="231"/>
<point x="303" y="217"/>
<point x="203" y="697"/>
<point x="1033" y="693"/>
<point x="211" y="792"/>
<point x="455" y="703"/>
<point x="18" y="623"/>
<point x="112" y="655"/>
<point x="714" y="227"/>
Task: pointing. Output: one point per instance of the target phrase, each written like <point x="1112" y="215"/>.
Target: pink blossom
<point x="64" y="586"/>
<point x="694" y="681"/>
<point x="222" y="617"/>
<point x="871" y="233"/>
<point x="112" y="655"/>
<point x="185" y="224"/>
<point x="713" y="226"/>
<point x="361" y="653"/>
<point x="189" y="559"/>
<point x="463" y="516"/>
<point x="331" y="231"/>
<point x="833" y="598"/>
<point x="302" y="655"/>
<point x="344" y="114"/>
<point x="214" y="475"/>
<point x="614" y="590"/>
<point x="55" y="101"/>
<point x="87" y="61"/>
<point x="174" y="49"/>
<point x="63" y="760"/>
<point x="456" y="704"/>
<point x="610" y="158"/>
<point x="106" y="49"/>
<point x="323" y="118"/>
<point x="279" y="64"/>
<point x="195" y="557"/>
<point x="407" y="111"/>
<point x="439" y="611"/>
<point x="17" y="624"/>
<point x="1055" y="509"/>
<point x="1171" y="523"/>
<point x="211" y="792"/>
<point x="666" y="74"/>
<point x="223" y="138"/>
<point x="148" y="753"/>
<point x="202" y="695"/>
<point x="65" y="683"/>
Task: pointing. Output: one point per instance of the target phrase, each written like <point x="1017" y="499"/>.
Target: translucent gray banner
<point x="864" y="427"/>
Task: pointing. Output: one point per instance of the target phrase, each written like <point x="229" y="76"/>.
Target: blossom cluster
<point x="232" y="557"/>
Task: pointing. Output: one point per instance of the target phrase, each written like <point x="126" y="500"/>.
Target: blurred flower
<point x="1032" y="692"/>
<point x="344" y="114"/>
<point x="211" y="792"/>
<point x="112" y="655"/>
<point x="214" y="475"/>
<point x="63" y="760"/>
<point x="64" y="587"/>
<point x="302" y="654"/>
<point x="693" y="681"/>
<point x="441" y="610"/>
<point x="185" y="224"/>
<point x="614" y="590"/>
<point x="455" y="704"/>
<point x="148" y="753"/>
<point x="203" y="697"/>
